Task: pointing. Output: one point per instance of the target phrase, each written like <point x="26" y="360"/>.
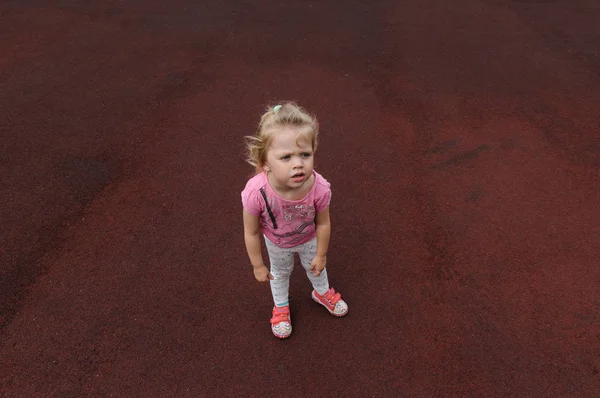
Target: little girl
<point x="288" y="203"/>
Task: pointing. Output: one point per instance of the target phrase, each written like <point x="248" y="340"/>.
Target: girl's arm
<point x="323" y="227"/>
<point x="252" y="239"/>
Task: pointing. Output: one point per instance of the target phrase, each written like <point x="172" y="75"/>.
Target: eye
<point x="286" y="157"/>
<point x="306" y="155"/>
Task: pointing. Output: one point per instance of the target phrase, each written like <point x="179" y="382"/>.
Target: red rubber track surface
<point x="462" y="143"/>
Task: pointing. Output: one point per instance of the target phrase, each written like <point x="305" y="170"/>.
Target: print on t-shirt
<point x="295" y="213"/>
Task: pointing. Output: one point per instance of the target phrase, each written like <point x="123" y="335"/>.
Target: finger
<point x="271" y="277"/>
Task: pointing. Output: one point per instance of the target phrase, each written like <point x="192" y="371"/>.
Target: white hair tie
<point x="276" y="108"/>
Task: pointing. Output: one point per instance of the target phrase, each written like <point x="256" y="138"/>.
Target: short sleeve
<point x="322" y="197"/>
<point x="251" y="201"/>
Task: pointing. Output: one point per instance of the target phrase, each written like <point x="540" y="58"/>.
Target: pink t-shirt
<point x="295" y="219"/>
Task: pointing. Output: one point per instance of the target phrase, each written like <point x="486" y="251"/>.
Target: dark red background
<point x="462" y="142"/>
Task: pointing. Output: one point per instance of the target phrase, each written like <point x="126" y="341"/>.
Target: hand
<point x="262" y="274"/>
<point x="318" y="264"/>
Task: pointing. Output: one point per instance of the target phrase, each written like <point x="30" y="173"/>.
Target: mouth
<point x="298" y="177"/>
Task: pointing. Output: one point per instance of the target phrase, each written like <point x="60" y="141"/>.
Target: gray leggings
<point x="282" y="264"/>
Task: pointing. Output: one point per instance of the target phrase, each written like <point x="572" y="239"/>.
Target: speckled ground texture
<point x="462" y="141"/>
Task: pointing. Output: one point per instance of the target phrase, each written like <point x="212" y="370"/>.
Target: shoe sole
<point x="316" y="300"/>
<point x="282" y="337"/>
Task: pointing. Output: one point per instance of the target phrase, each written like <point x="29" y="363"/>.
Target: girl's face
<point x="290" y="158"/>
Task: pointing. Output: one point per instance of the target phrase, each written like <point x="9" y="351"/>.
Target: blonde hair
<point x="285" y="114"/>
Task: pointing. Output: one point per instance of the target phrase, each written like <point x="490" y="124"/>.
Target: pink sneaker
<point x="332" y="301"/>
<point x="281" y="323"/>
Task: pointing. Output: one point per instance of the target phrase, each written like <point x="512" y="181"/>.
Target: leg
<point x="322" y="294"/>
<point x="281" y="263"/>
<point x="307" y="252"/>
